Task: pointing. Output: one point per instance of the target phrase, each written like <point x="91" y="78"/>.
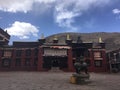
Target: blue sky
<point x="26" y="20"/>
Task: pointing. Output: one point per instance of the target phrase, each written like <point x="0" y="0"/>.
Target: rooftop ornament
<point x="68" y="37"/>
<point x="100" y="40"/>
<point x="42" y="36"/>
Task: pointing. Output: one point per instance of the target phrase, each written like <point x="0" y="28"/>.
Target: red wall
<point x="92" y="67"/>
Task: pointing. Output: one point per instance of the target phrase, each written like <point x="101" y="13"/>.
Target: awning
<point x="60" y="47"/>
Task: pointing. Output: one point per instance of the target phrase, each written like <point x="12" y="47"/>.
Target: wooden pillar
<point x="104" y="62"/>
<point x="13" y="59"/>
<point x="92" y="66"/>
<point x="70" y="61"/>
<point x="32" y="59"/>
<point x="23" y="59"/>
<point x="40" y="59"/>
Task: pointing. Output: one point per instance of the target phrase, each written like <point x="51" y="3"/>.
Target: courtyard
<point x="56" y="81"/>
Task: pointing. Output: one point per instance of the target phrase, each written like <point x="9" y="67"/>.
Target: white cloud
<point x="22" y="30"/>
<point x="64" y="19"/>
<point x="116" y="11"/>
<point x="20" y="5"/>
<point x="16" y="5"/>
<point x="45" y="1"/>
<point x="66" y="12"/>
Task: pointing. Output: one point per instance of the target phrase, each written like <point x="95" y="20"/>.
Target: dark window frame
<point x="98" y="63"/>
<point x="6" y="60"/>
<point x="36" y="52"/>
<point x="18" y="53"/>
<point x="28" y="52"/>
<point x="27" y="62"/>
<point x="17" y="62"/>
<point x="35" y="61"/>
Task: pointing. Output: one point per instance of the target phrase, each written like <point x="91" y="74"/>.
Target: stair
<point x="55" y="69"/>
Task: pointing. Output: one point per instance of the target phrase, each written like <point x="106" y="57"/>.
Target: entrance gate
<point x="50" y="61"/>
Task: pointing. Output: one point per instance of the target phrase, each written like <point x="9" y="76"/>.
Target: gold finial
<point x="68" y="37"/>
<point x="42" y="36"/>
<point x="55" y="38"/>
<point x="100" y="40"/>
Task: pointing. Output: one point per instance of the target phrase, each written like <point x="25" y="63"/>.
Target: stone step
<point x="55" y="69"/>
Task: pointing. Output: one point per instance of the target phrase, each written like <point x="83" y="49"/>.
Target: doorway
<point x="53" y="61"/>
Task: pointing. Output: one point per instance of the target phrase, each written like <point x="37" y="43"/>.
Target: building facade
<point x="43" y="56"/>
<point x="114" y="60"/>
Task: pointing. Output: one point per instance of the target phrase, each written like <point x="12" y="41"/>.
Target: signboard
<point x="97" y="56"/>
<point x="55" y="52"/>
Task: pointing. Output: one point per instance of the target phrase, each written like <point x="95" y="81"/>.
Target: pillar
<point x="40" y="59"/>
<point x="23" y="59"/>
<point x="104" y="62"/>
<point x="70" y="60"/>
<point x="32" y="59"/>
<point x="13" y="59"/>
<point x="92" y="66"/>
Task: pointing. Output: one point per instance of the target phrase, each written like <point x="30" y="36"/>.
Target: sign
<point x="97" y="56"/>
<point x="55" y="52"/>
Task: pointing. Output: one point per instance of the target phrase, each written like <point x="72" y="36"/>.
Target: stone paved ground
<point x="55" y="81"/>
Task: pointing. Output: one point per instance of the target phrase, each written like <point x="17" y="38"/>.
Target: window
<point x="36" y="52"/>
<point x="35" y="61"/>
<point x="28" y="52"/>
<point x="27" y="62"/>
<point x="6" y="62"/>
<point x="7" y="53"/>
<point x="18" y="62"/>
<point x="18" y="53"/>
<point x="98" y="63"/>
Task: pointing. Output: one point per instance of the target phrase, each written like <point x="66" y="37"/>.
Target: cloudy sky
<point x="28" y="19"/>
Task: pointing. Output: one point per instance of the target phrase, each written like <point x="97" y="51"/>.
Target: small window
<point x="28" y="52"/>
<point x="27" y="62"/>
<point x="98" y="63"/>
<point x="18" y="62"/>
<point x="36" y="52"/>
<point x="6" y="62"/>
<point x="18" y="53"/>
<point x="35" y="61"/>
<point x="7" y="53"/>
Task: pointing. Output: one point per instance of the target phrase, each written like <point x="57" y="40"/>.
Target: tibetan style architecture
<point x="43" y="55"/>
<point x="114" y="60"/>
